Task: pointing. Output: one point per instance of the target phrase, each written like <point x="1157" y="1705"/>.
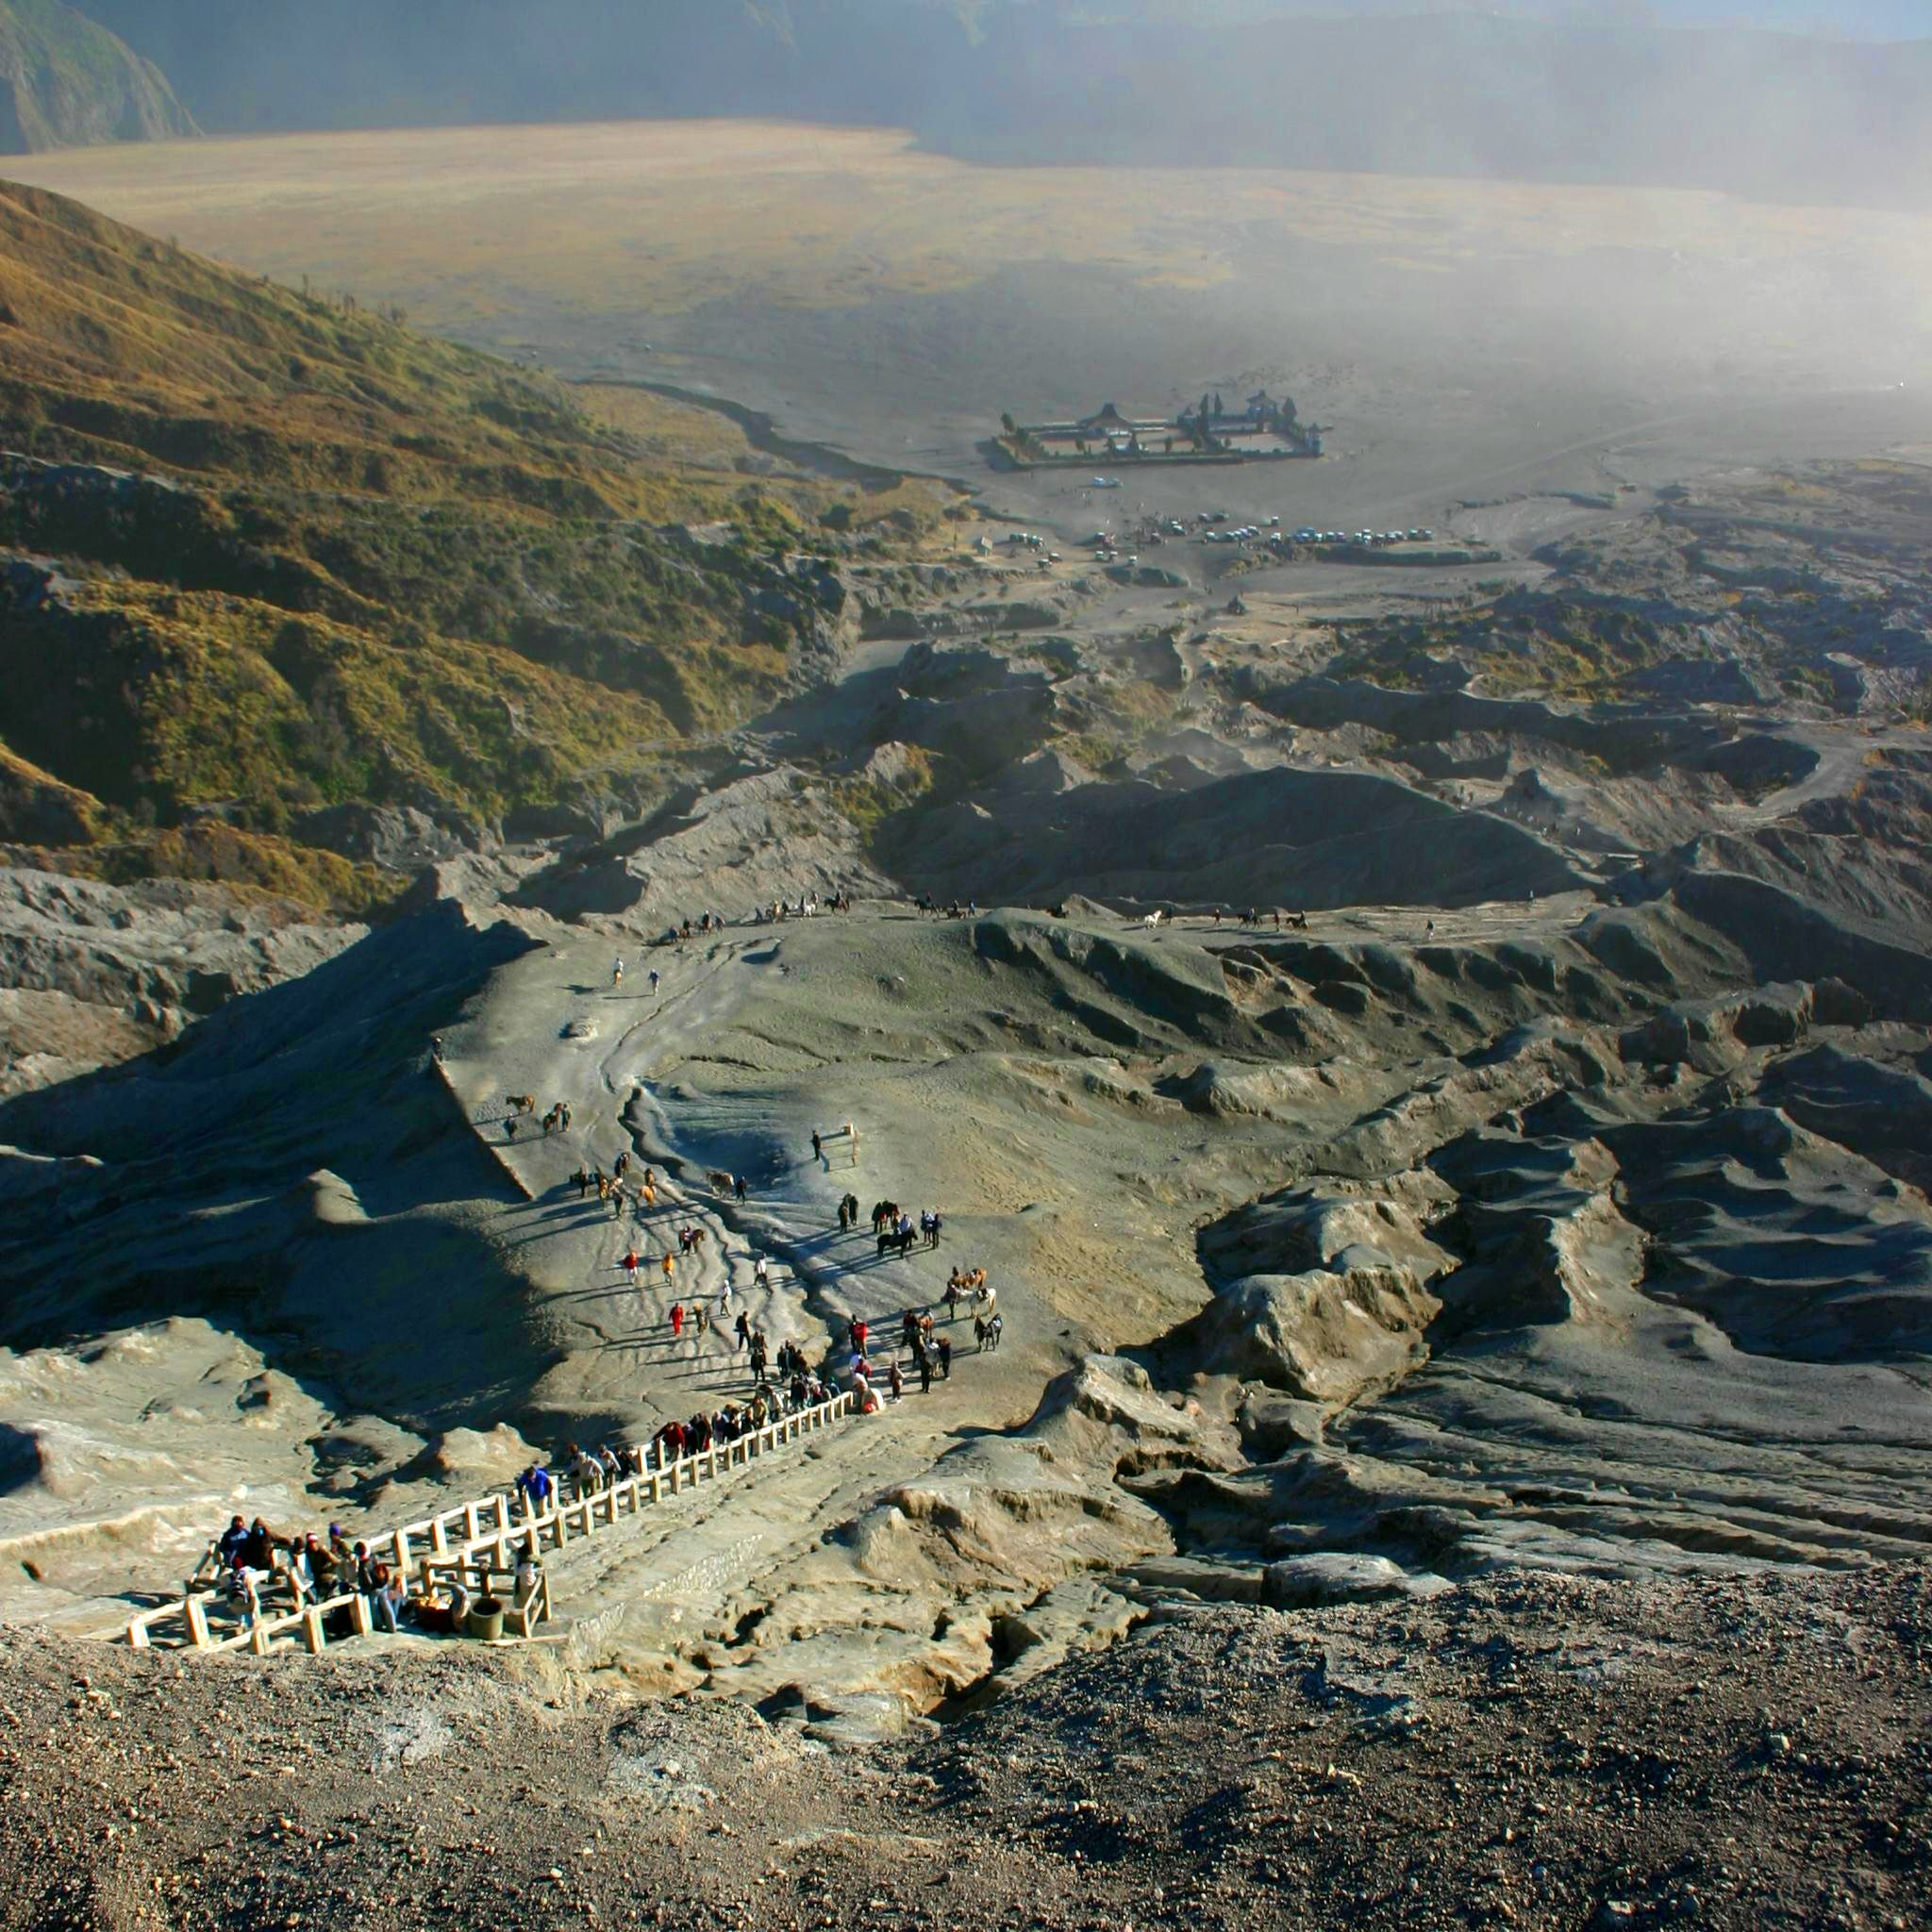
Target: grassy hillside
<point x="66" y="82"/>
<point x="263" y="553"/>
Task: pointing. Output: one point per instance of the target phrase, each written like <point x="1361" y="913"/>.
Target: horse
<point x="521" y="1103"/>
<point x="891" y="1238"/>
<point x="1153" y="919"/>
<point x="720" y="1182"/>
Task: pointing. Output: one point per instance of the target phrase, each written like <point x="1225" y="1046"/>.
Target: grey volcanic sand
<point x="1532" y="1207"/>
<point x="1466" y="340"/>
<point x="1552" y="1371"/>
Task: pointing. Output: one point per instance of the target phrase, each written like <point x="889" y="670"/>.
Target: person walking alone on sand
<point x="677" y="1320"/>
<point x="616" y="973"/>
<point x="670" y="1266"/>
<point x="631" y="1266"/>
<point x="654" y="982"/>
<point x="818" y="1145"/>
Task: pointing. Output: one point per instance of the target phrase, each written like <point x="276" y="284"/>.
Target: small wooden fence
<point x="473" y="1534"/>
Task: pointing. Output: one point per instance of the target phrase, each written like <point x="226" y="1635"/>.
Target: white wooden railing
<point x="492" y="1530"/>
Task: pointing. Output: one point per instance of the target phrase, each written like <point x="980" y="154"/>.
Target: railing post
<point x="472" y="1522"/>
<point x="657" y="1486"/>
<point x="361" y="1616"/>
<point x="501" y="1511"/>
<point x="401" y="1540"/>
<point x="258" y="1637"/>
<point x="137" y="1634"/>
<point x="196" y="1612"/>
<point x="313" y="1635"/>
<point x="438" y="1540"/>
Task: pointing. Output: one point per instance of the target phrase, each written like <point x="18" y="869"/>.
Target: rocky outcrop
<point x="766" y="834"/>
<point x="399" y="837"/>
<point x="1269" y="837"/>
<point x="1621" y="735"/>
<point x="93" y="972"/>
<point x="1323" y="1292"/>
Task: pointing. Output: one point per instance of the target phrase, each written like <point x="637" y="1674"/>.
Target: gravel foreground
<point x="1536" y="1751"/>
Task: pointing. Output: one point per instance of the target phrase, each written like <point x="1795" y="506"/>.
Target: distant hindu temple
<point x="1267" y="429"/>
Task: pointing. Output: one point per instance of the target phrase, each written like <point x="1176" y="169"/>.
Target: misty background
<point x="1781" y="100"/>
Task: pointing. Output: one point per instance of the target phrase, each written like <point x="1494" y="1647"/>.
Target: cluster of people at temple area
<point x="260" y="1570"/>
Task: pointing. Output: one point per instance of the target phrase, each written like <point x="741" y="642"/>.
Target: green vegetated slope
<point x="263" y="554"/>
<point x="66" y="82"/>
